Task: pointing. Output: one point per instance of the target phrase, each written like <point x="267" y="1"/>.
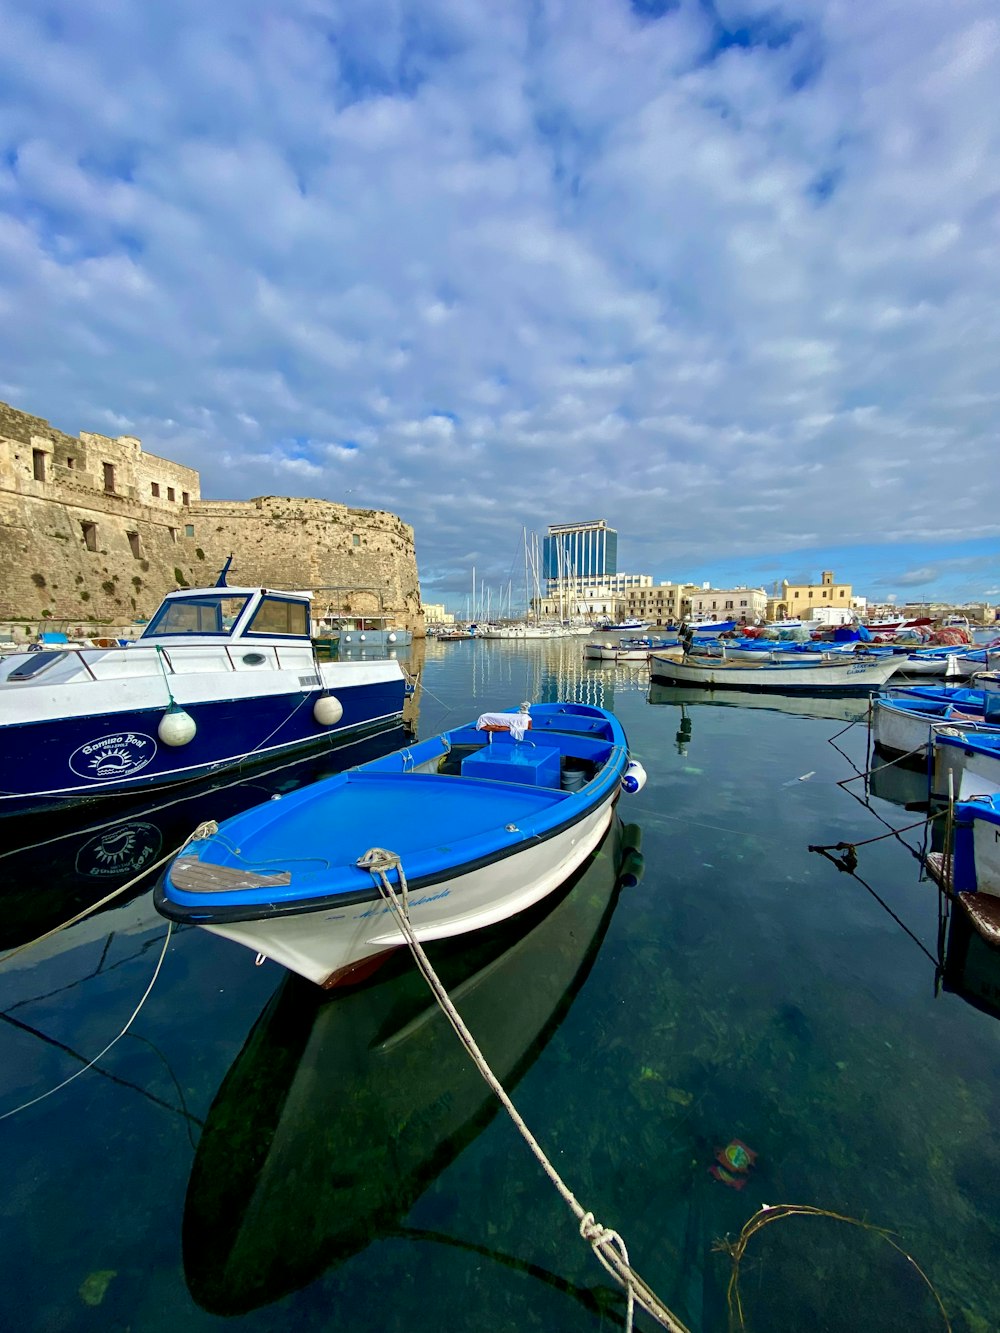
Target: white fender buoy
<point x="176" y="727"/>
<point x="634" y="778"/>
<point x="392" y="638"/>
<point x="361" y="638"/>
<point x="347" y="638"/>
<point x="328" y="710"/>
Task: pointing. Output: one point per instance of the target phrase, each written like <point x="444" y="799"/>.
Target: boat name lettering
<point x="119" y="754"/>
<point x="414" y="902"/>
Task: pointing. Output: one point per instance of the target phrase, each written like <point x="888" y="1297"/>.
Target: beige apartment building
<point x="658" y="605"/>
<point x="739" y="604"/>
<point x="797" y="602"/>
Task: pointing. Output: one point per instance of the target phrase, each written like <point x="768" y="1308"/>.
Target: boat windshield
<point x="206" y="613"/>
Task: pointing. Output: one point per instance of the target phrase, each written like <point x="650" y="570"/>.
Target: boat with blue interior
<point x="483" y="821"/>
<point x="220" y="676"/>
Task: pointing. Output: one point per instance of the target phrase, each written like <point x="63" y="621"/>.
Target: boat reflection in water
<point x="971" y="966"/>
<point x="60" y="865"/>
<point x="897" y="783"/>
<point x="840" y="708"/>
<point x="340" y="1110"/>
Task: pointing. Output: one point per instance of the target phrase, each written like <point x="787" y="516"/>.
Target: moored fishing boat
<point x="627" y="650"/>
<point x="483" y="821"/>
<point x="904" y="720"/>
<point x="966" y="763"/>
<point x="219" y="676"/>
<point x="854" y="673"/>
<point x="975" y="864"/>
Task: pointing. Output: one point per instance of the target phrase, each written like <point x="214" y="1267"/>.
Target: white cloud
<point x="730" y="299"/>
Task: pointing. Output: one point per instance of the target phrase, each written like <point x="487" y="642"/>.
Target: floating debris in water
<point x="733" y="1162"/>
<point x="94" y="1286"/>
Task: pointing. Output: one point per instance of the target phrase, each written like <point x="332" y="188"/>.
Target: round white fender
<point x="176" y="727"/>
<point x="328" y="710"/>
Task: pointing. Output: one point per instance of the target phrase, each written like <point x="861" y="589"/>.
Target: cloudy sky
<point x="724" y="274"/>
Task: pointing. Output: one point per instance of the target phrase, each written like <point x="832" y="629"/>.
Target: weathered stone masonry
<point x="94" y="529"/>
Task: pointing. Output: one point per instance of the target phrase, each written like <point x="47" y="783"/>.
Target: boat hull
<point x="966" y="766"/>
<point x="907" y="729"/>
<point x="846" y="677"/>
<point x="976" y="866"/>
<point x="331" y="947"/>
<point x="481" y="827"/>
<point x="73" y="760"/>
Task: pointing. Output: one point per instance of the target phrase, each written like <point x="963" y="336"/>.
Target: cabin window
<point x="188" y="529"/>
<point x="38" y="464"/>
<point x="89" y="535"/>
<point x="214" y="614"/>
<point x="170" y="493"/>
<point x="109" y="478"/>
<point x="133" y="541"/>
<point x="277" y="615"/>
<point x="185" y="498"/>
<point x="155" y="490"/>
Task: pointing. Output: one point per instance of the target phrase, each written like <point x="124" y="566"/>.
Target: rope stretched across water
<point x="607" y="1244"/>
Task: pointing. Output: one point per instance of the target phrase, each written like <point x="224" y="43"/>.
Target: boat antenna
<point x="220" y="582"/>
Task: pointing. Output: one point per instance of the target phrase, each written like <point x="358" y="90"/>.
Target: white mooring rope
<point x="607" y="1244"/>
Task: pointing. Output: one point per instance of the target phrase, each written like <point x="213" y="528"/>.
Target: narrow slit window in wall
<point x="109" y="477"/>
<point x="89" y="535"/>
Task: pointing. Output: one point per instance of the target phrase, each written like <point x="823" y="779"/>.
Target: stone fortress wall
<point x="94" y="530"/>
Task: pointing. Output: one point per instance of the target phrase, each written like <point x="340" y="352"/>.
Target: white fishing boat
<point x="855" y="673"/>
<point x="975" y="864"/>
<point x="904" y="720"/>
<point x="966" y="762"/>
<point x="628" y="650"/>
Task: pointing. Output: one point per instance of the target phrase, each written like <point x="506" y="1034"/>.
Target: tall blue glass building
<point x="580" y="551"/>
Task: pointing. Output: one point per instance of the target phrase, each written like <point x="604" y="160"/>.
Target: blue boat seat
<point x="529" y="765"/>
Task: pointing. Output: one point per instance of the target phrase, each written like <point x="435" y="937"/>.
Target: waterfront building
<point x="579" y="551"/>
<point x="435" y="614"/>
<point x="740" y="604"/>
<point x="796" y="601"/>
<point x="659" y="605"/>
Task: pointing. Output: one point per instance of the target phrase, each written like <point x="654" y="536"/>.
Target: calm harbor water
<point x="253" y="1156"/>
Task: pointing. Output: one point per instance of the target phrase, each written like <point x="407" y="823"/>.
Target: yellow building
<point x="797" y="602"/>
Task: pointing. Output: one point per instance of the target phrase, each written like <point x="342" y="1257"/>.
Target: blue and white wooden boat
<point x="967" y="763"/>
<point x="710" y="629"/>
<point x="630" y="625"/>
<point x="852" y="674"/>
<point x="905" y="720"/>
<point x="976" y="857"/>
<point x="220" y="676"/>
<point x="486" y="820"/>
